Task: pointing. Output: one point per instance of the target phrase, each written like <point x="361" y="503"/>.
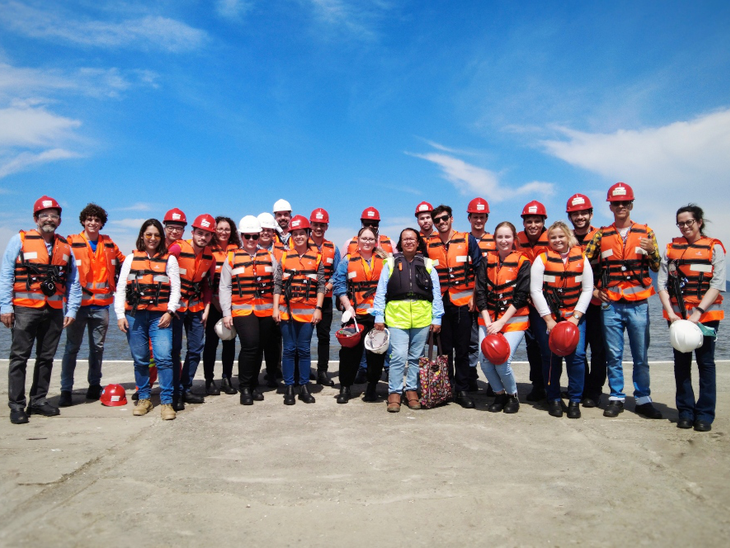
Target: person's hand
<point x="165" y="320"/>
<point x="695" y="316"/>
<point x="435" y="328"/>
<point x="8" y="319"/>
<point x="123" y="325"/>
<point x="550" y="323"/>
<point x="647" y="245"/>
<point x="495" y="327"/>
<point x="379" y="326"/>
<point x="276" y="315"/>
<point x="67" y="321"/>
<point x="673" y="317"/>
<point x="317" y="316"/>
<point x="574" y="320"/>
<point x="204" y="318"/>
<point x="228" y="322"/>
<point x="602" y="295"/>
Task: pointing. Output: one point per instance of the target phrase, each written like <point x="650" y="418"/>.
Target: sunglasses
<point x="442" y="219"/>
<point x="251" y="236"/>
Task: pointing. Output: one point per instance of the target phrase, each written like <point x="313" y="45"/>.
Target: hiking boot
<point x="142" y="408"/>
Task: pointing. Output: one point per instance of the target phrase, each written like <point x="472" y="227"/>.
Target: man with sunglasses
<point x="456" y="256"/>
<point x="623" y="254"/>
<point x="38" y="274"/>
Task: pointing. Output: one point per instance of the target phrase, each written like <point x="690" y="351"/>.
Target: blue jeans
<point x="552" y="364"/>
<point x="704" y="408"/>
<point x="97" y="322"/>
<point x="501" y="377"/>
<point x="297" y="338"/>
<point x="634" y="319"/>
<point x="143" y="328"/>
<point x="195" y="334"/>
<point x="406" y="347"/>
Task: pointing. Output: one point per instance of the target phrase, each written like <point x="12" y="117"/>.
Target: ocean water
<point x="659" y="349"/>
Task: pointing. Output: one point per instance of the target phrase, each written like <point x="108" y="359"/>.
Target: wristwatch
<point x="318" y="307"/>
<point x="702" y="310"/>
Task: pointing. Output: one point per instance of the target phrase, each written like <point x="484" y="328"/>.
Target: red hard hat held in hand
<point x="496" y="348"/>
<point x="578" y="202"/>
<point x="45" y="202"/>
<point x="564" y="339"/>
<point x="175" y="215"/>
<point x="298" y="223"/>
<point x="204" y="222"/>
<point x="478" y="205"/>
<point x="113" y="395"/>
<point x="620" y="192"/>
<point x="534" y="208"/>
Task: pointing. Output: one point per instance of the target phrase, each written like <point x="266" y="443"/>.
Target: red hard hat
<point x="349" y="336"/>
<point x="478" y="205"/>
<point x="298" y="223"/>
<point x="45" y="202"/>
<point x="534" y="208"/>
<point x="319" y="215"/>
<point x="620" y="192"/>
<point x="175" y="216"/>
<point x="204" y="222"/>
<point x="496" y="348"/>
<point x="113" y="396"/>
<point x="370" y="214"/>
<point x="564" y="339"/>
<point x="578" y="202"/>
<point x="423" y="207"/>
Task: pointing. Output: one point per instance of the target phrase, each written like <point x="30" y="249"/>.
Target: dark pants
<point x="272" y="353"/>
<point x="42" y="326"/>
<point x="323" y="335"/>
<point x="254" y="334"/>
<point x="704" y="408"/>
<point x="596" y="373"/>
<point x="95" y="320"/>
<point x="183" y="374"/>
<point x="534" y="355"/>
<point x="211" y="348"/>
<point x="350" y="357"/>
<point x="455" y="336"/>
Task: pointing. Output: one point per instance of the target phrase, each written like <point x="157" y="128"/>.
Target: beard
<point x="48" y="228"/>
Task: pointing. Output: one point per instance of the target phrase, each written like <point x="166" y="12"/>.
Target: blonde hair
<point x="560" y="225"/>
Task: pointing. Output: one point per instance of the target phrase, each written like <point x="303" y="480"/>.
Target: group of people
<point x="274" y="279"/>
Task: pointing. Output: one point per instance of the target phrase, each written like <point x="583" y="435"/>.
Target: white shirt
<point x="536" y="281"/>
<point x="173" y="272"/>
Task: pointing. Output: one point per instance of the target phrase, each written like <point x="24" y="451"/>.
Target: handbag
<point x="433" y="375"/>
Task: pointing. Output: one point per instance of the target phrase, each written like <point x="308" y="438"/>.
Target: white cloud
<point x="356" y="19"/>
<point x="32" y="127"/>
<point x="25" y="159"/>
<point x="128" y="223"/>
<point x="139" y="206"/>
<point x="232" y="9"/>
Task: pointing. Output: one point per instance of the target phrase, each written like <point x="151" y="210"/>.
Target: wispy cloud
<point x="139" y="206"/>
<point x="357" y="19"/>
<point x="148" y="32"/>
<point x="233" y="9"/>
<point x="33" y="127"/>
<point x="127" y="223"/>
<point x="21" y="161"/>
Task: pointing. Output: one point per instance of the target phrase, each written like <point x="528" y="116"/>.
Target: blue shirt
<point x="7" y="279"/>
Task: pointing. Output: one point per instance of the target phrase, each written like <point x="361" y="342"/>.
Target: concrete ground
<point x="353" y="475"/>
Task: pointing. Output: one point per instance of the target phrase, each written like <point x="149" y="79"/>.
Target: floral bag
<point x="434" y="377"/>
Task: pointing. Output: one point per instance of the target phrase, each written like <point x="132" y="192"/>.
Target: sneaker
<point x="167" y="412"/>
<point x="613" y="408"/>
<point x="142" y="408"/>
<point x="648" y="411"/>
<point x="65" y="399"/>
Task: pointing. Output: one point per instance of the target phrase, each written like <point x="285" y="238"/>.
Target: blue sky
<point x="224" y="107"/>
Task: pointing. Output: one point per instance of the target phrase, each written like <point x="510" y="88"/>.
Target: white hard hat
<point x="282" y="205"/>
<point x="223" y="332"/>
<point x="249" y="225"/>
<point x="266" y="220"/>
<point x="685" y="336"/>
<point x="377" y="341"/>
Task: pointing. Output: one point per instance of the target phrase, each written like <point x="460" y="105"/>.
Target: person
<point x="197" y="268"/>
<point x="247" y="302"/>
<point x="355" y="282"/>
<point x="282" y="213"/>
<point x="175" y="222"/>
<point x="298" y="295"/>
<point x="408" y="299"/>
<point x="623" y="254"/>
<point x="580" y="213"/>
<point x="319" y="221"/>
<point x="425" y="223"/>
<point x="97" y="259"/>
<point x="370" y="218"/>
<point x="699" y="262"/>
<point x="225" y="240"/>
<point x="561" y="287"/>
<point x="38" y="272"/>
<point x="456" y="256"/>
<point x="532" y="241"/>
<point x="272" y="351"/>
<point x="501" y="290"/>
<point x="145" y="303"/>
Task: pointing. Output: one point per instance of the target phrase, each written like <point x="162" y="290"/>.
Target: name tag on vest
<point x="607" y="253"/>
<point x="461" y="258"/>
<point x="330" y="260"/>
<point x="639" y="251"/>
<point x="351" y="275"/>
<point x="183" y="271"/>
<point x="701" y="267"/>
<point x="548" y="278"/>
<point x="31" y="255"/>
<point x="268" y="269"/>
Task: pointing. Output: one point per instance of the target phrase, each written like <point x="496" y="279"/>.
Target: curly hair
<point x="235" y="238"/>
<point x="93" y="210"/>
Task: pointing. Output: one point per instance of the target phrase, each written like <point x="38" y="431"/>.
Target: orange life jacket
<point x="362" y="281"/>
<point x="694" y="266"/>
<point x="148" y="283"/>
<point x="299" y="284"/>
<point x="487" y="243"/>
<point x="532" y="249"/>
<point x="219" y="255"/>
<point x="384" y="243"/>
<point x="562" y="283"/>
<point x="501" y="282"/>
<point x="252" y="283"/>
<point x="33" y="266"/>
<point x="97" y="270"/>
<point x="454" y="267"/>
<point x="626" y="269"/>
<point x="586" y="240"/>
<point x="193" y="273"/>
<point x="328" y="257"/>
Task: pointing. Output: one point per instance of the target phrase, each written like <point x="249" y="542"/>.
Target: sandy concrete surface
<point x="353" y="475"/>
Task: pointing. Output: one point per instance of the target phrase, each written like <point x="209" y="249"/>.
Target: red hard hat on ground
<point x="370" y="214"/>
<point x="45" y="202"/>
<point x="534" y="208"/>
<point x="578" y="202"/>
<point x="175" y="216"/>
<point x="319" y="215"/>
<point x="113" y="395"/>
<point x="204" y="222"/>
<point x="496" y="348"/>
<point x="478" y="205"/>
<point x="564" y="339"/>
<point x="298" y="223"/>
<point x="423" y="207"/>
<point x="620" y="192"/>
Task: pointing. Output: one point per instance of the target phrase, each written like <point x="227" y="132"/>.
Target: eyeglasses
<point x="251" y="236"/>
<point x="151" y="236"/>
<point x="370" y="224"/>
<point x="409" y="240"/>
<point x="222" y="229"/>
<point x="369" y="240"/>
<point x="174" y="228"/>
<point x="682" y="224"/>
<point x="442" y="219"/>
<point x="45" y="216"/>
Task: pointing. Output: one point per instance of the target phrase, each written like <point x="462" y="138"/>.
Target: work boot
<point x="167" y="412"/>
<point x="371" y="393"/>
<point x="555" y="408"/>
<point x="94" y="392"/>
<point x="246" y="398"/>
<point x="574" y="410"/>
<point x="45" y="409"/>
<point x="256" y="395"/>
<point x="412" y="399"/>
<point x="211" y="388"/>
<point x="289" y="398"/>
<point x="65" y="399"/>
<point x="190" y="397"/>
<point x="500" y="400"/>
<point x="344" y="395"/>
<point x="613" y="408"/>
<point x="142" y="408"/>
<point x="649" y="411"/>
<point x="512" y="405"/>
<point x="393" y="403"/>
<point x="177" y="403"/>
<point x="323" y="378"/>
<point x="227" y="386"/>
<point x="463" y="399"/>
<point x="18" y="416"/>
<point x="304" y="394"/>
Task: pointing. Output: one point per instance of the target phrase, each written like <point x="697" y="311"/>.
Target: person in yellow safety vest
<point x="456" y="256"/>
<point x="98" y="261"/>
<point x="622" y="256"/>
<point x="693" y="269"/>
<point x="38" y="274"/>
<point x="408" y="299"/>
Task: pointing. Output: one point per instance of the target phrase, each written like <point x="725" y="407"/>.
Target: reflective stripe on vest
<point x="362" y="281"/>
<point x="532" y="249"/>
<point x="252" y="283"/>
<point x="563" y="282"/>
<point x="148" y="282"/>
<point x="299" y="284"/>
<point x="627" y="268"/>
<point x="501" y="282"/>
<point x="96" y="269"/>
<point x="193" y="271"/>
<point x="454" y="267"/>
<point x="33" y="266"/>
